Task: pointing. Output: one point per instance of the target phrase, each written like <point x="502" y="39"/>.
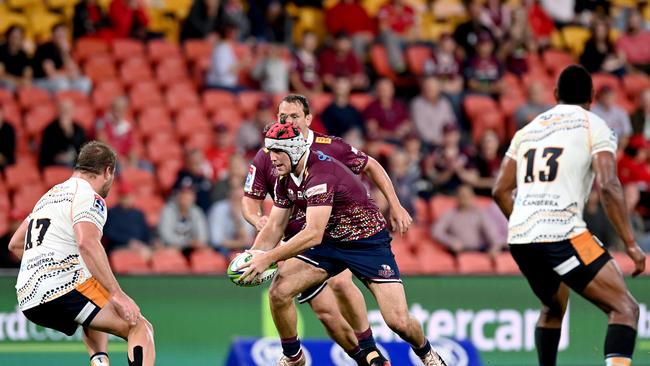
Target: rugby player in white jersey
<point x="65" y="279"/>
<point x="551" y="164"/>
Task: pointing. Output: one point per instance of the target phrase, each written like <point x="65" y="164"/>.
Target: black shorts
<point x="67" y="312"/>
<point x="574" y="262"/>
<point x="370" y="259"/>
<point x="311" y="293"/>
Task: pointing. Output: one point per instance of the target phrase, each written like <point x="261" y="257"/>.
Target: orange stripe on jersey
<point x="74" y="195"/>
<point x="94" y="291"/>
<point x="587" y="248"/>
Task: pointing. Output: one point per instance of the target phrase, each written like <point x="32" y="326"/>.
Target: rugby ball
<point x="234" y="274"/>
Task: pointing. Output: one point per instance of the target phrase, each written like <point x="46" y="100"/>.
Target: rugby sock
<point x="99" y="359"/>
<point x="422" y="351"/>
<point x="619" y="345"/>
<point x="366" y="340"/>
<point x="357" y="355"/>
<point x="137" y="356"/>
<point x="291" y="348"/>
<point x="547" y="341"/>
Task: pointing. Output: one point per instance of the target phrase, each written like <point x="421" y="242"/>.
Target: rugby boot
<point x="286" y="361"/>
<point x="433" y="359"/>
<point x="375" y="358"/>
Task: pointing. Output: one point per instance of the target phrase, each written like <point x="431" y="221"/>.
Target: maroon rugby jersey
<point x="327" y="182"/>
<point x="262" y="174"/>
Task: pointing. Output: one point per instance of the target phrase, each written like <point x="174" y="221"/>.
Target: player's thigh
<point x="391" y="299"/>
<point x="538" y="271"/>
<point x="108" y="320"/>
<point x="296" y="276"/>
<point x="608" y="291"/>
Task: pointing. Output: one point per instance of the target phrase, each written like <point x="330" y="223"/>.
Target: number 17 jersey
<point x="554" y="173"/>
<point x="52" y="265"/>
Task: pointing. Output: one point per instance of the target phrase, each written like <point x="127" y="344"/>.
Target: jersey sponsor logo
<point x="322" y="156"/>
<point x="323" y="140"/>
<point x="319" y="189"/>
<point x="250" y="178"/>
<point x="99" y="204"/>
<point x="386" y="271"/>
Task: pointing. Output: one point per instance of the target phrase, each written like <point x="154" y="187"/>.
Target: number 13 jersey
<point x="52" y="265"/>
<point x="554" y="173"/>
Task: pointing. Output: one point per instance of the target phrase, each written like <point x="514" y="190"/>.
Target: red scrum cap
<point x="287" y="138"/>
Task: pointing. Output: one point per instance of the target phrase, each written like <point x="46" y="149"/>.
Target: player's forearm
<point x="613" y="201"/>
<point x="380" y="178"/>
<point x="16" y="249"/>
<point x="251" y="210"/>
<point x="95" y="259"/>
<point x="269" y="237"/>
<point x="302" y="241"/>
<point x="504" y="200"/>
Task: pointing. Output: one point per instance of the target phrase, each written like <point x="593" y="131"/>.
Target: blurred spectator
<point x="598" y="223"/>
<point x="341" y="61"/>
<point x="452" y="166"/>
<point x="641" y="117"/>
<point x="386" y="117"/>
<point x="446" y="66"/>
<point x="533" y="106"/>
<point x="224" y="64"/>
<point x="203" y="20"/>
<point x="272" y="70"/>
<point x="517" y="44"/>
<point x="54" y="67"/>
<point x="340" y="116"/>
<point x="196" y="174"/>
<point x="467" y="34"/>
<point x="126" y="227"/>
<point x="7" y="259"/>
<point x="62" y="139"/>
<point x="128" y="18"/>
<point x="633" y="166"/>
<point x="233" y="13"/>
<point x="233" y="178"/>
<point x="633" y="44"/>
<point x="7" y="142"/>
<point x="467" y="227"/>
<point x="183" y="224"/>
<point x="267" y="19"/>
<point x="404" y="175"/>
<point x="496" y="15"/>
<point x="484" y="71"/>
<point x="304" y="66"/>
<point x="249" y="136"/>
<point x="599" y="53"/>
<point x="396" y="27"/>
<point x="114" y="129"/>
<point x="219" y="152"/>
<point x="561" y="11"/>
<point x="540" y="22"/>
<point x="616" y="117"/>
<point x="431" y="112"/>
<point x="89" y="19"/>
<point x="487" y="162"/>
<point x="350" y="17"/>
<point x="228" y="229"/>
<point x="15" y="70"/>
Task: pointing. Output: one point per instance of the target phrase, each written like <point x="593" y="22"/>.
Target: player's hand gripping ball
<point x="242" y="258"/>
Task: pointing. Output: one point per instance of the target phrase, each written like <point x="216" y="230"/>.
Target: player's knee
<point x="629" y="309"/>
<point x="279" y="295"/>
<point x="326" y="315"/>
<point x="398" y="323"/>
<point x="551" y="314"/>
<point x="342" y="286"/>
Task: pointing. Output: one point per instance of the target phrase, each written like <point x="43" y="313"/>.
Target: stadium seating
<point x="434" y="261"/>
<point x="85" y="48"/>
<point x="151" y="205"/>
<point x="624" y="262"/>
<point x="125" y="49"/>
<point x="143" y="181"/>
<point x="126" y="261"/>
<point x="100" y="68"/>
<point x="505" y="264"/>
<point x="169" y="261"/>
<point x="474" y="263"/>
<point x="207" y="261"/>
<point x="31" y="97"/>
<point x="159" y="50"/>
<point x="416" y="56"/>
<point x="53" y="175"/>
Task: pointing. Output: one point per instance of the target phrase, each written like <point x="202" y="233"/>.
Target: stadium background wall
<point x="197" y="317"/>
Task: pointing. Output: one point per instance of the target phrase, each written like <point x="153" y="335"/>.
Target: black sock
<point x="547" y="341"/>
<point x="291" y="347"/>
<point x="357" y="355"/>
<point x="422" y="351"/>
<point x="137" y="356"/>
<point x="619" y="341"/>
<point x="366" y="340"/>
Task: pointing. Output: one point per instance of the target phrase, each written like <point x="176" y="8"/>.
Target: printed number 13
<point x="551" y="154"/>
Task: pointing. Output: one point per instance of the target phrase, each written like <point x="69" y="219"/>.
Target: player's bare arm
<point x="17" y="242"/>
<point x="90" y="247"/>
<point x="505" y="185"/>
<point x="613" y="200"/>
<point x="252" y="210"/>
<point x="399" y="217"/>
<point x="272" y="232"/>
<point x="310" y="236"/>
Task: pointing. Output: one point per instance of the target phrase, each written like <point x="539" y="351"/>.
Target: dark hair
<point x="298" y="99"/>
<point x="12" y="28"/>
<point x="59" y="25"/>
<point x="95" y="157"/>
<point x="574" y="86"/>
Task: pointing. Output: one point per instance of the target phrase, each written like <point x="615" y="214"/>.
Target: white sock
<point x="99" y="359"/>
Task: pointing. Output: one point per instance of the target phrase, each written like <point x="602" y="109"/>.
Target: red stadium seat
<point x="379" y="61"/>
<point x="197" y="49"/>
<point x="436" y="261"/>
<point x="161" y="150"/>
<point x="556" y="60"/>
<point x="38" y="118"/>
<point x="32" y="96"/>
<point x="105" y="92"/>
<point x="169" y="261"/>
<point x="440" y="204"/>
<point x="248" y="101"/>
<point x="360" y="101"/>
<point x="213" y="100"/>
<point x="474" y="263"/>
<point x="143" y="181"/>
<point x="191" y="121"/>
<point x="124" y="49"/>
<point x="100" y="68"/>
<point x="422" y="214"/>
<point x="6" y="96"/>
<point x="12" y="113"/>
<point x="154" y="120"/>
<point x="318" y="102"/>
<point x="166" y="171"/>
<point x="407" y="262"/>
<point x="178" y="98"/>
<point x="476" y="105"/>
<point x="634" y="84"/>
<point x="145" y="94"/>
<point x="602" y="79"/>
<point x="231" y="117"/>
<point x="73" y="95"/>
<point x="159" y="50"/>
<point x="489" y="120"/>
<point x="150" y="205"/>
<point x="416" y="57"/>
<point x="624" y="262"/>
<point x="26" y="197"/>
<point x="135" y="69"/>
<point x="201" y="141"/>
<point x="84" y="115"/>
<point x="127" y="261"/>
<point x="505" y="264"/>
<point x="85" y="48"/>
<point x="171" y="71"/>
<point x="207" y="261"/>
<point x="53" y="175"/>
